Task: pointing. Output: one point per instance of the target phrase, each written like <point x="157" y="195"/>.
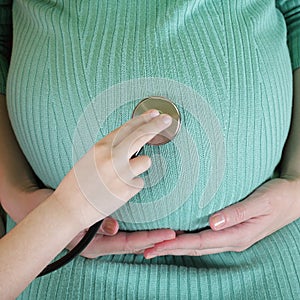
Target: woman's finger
<point x="109" y="226"/>
<point x="128" y="242"/>
<point x="182" y="252"/>
<point x="255" y="205"/>
<point x="234" y="238"/>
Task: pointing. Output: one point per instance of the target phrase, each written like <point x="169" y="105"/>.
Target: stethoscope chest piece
<point x="164" y="106"/>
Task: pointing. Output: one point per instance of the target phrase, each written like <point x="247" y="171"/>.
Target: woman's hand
<point x="237" y="227"/>
<point x="121" y="242"/>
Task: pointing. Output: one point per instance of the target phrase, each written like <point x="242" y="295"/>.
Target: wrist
<point x="75" y="203"/>
<point x="293" y="190"/>
<point x="67" y="211"/>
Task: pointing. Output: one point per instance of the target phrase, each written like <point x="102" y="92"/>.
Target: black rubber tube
<point x="79" y="247"/>
<point x="74" y="252"/>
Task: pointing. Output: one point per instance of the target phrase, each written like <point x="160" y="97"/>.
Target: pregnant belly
<point x="67" y="89"/>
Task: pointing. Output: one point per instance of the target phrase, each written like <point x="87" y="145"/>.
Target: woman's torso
<point x="227" y="68"/>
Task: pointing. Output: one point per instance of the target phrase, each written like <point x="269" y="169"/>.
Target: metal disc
<point x="164" y="106"/>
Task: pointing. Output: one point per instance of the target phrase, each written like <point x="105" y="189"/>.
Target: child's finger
<point x="142" y="135"/>
<point x="117" y="135"/>
<point x="139" y="165"/>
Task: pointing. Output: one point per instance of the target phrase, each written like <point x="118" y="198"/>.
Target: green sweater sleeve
<point x="5" y="40"/>
<point x="291" y="11"/>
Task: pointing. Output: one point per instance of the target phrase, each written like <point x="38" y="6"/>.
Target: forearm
<point x="290" y="164"/>
<point x="33" y="243"/>
<point x="15" y="172"/>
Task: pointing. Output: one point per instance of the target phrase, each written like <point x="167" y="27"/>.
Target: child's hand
<point x="108" y="240"/>
<point x="106" y="177"/>
<point x="31" y="196"/>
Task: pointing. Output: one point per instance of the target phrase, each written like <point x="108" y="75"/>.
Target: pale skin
<point x="235" y="228"/>
<point x="20" y="194"/>
<point x="269" y="208"/>
<point x="28" y="248"/>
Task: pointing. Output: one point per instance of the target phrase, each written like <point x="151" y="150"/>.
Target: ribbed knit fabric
<point x="234" y="54"/>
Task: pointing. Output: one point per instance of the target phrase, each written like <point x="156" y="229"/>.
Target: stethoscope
<point x="164" y="106"/>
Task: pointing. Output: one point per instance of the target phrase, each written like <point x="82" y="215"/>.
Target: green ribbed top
<point x="227" y="65"/>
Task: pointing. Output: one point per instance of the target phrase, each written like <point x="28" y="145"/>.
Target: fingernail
<point x="218" y="220"/>
<point x="108" y="226"/>
<point x="154" y="113"/>
<point x="166" y="119"/>
<point x="171" y="236"/>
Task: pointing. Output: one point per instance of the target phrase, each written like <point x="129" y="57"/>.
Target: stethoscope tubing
<point x="155" y="102"/>
<point x="83" y="243"/>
